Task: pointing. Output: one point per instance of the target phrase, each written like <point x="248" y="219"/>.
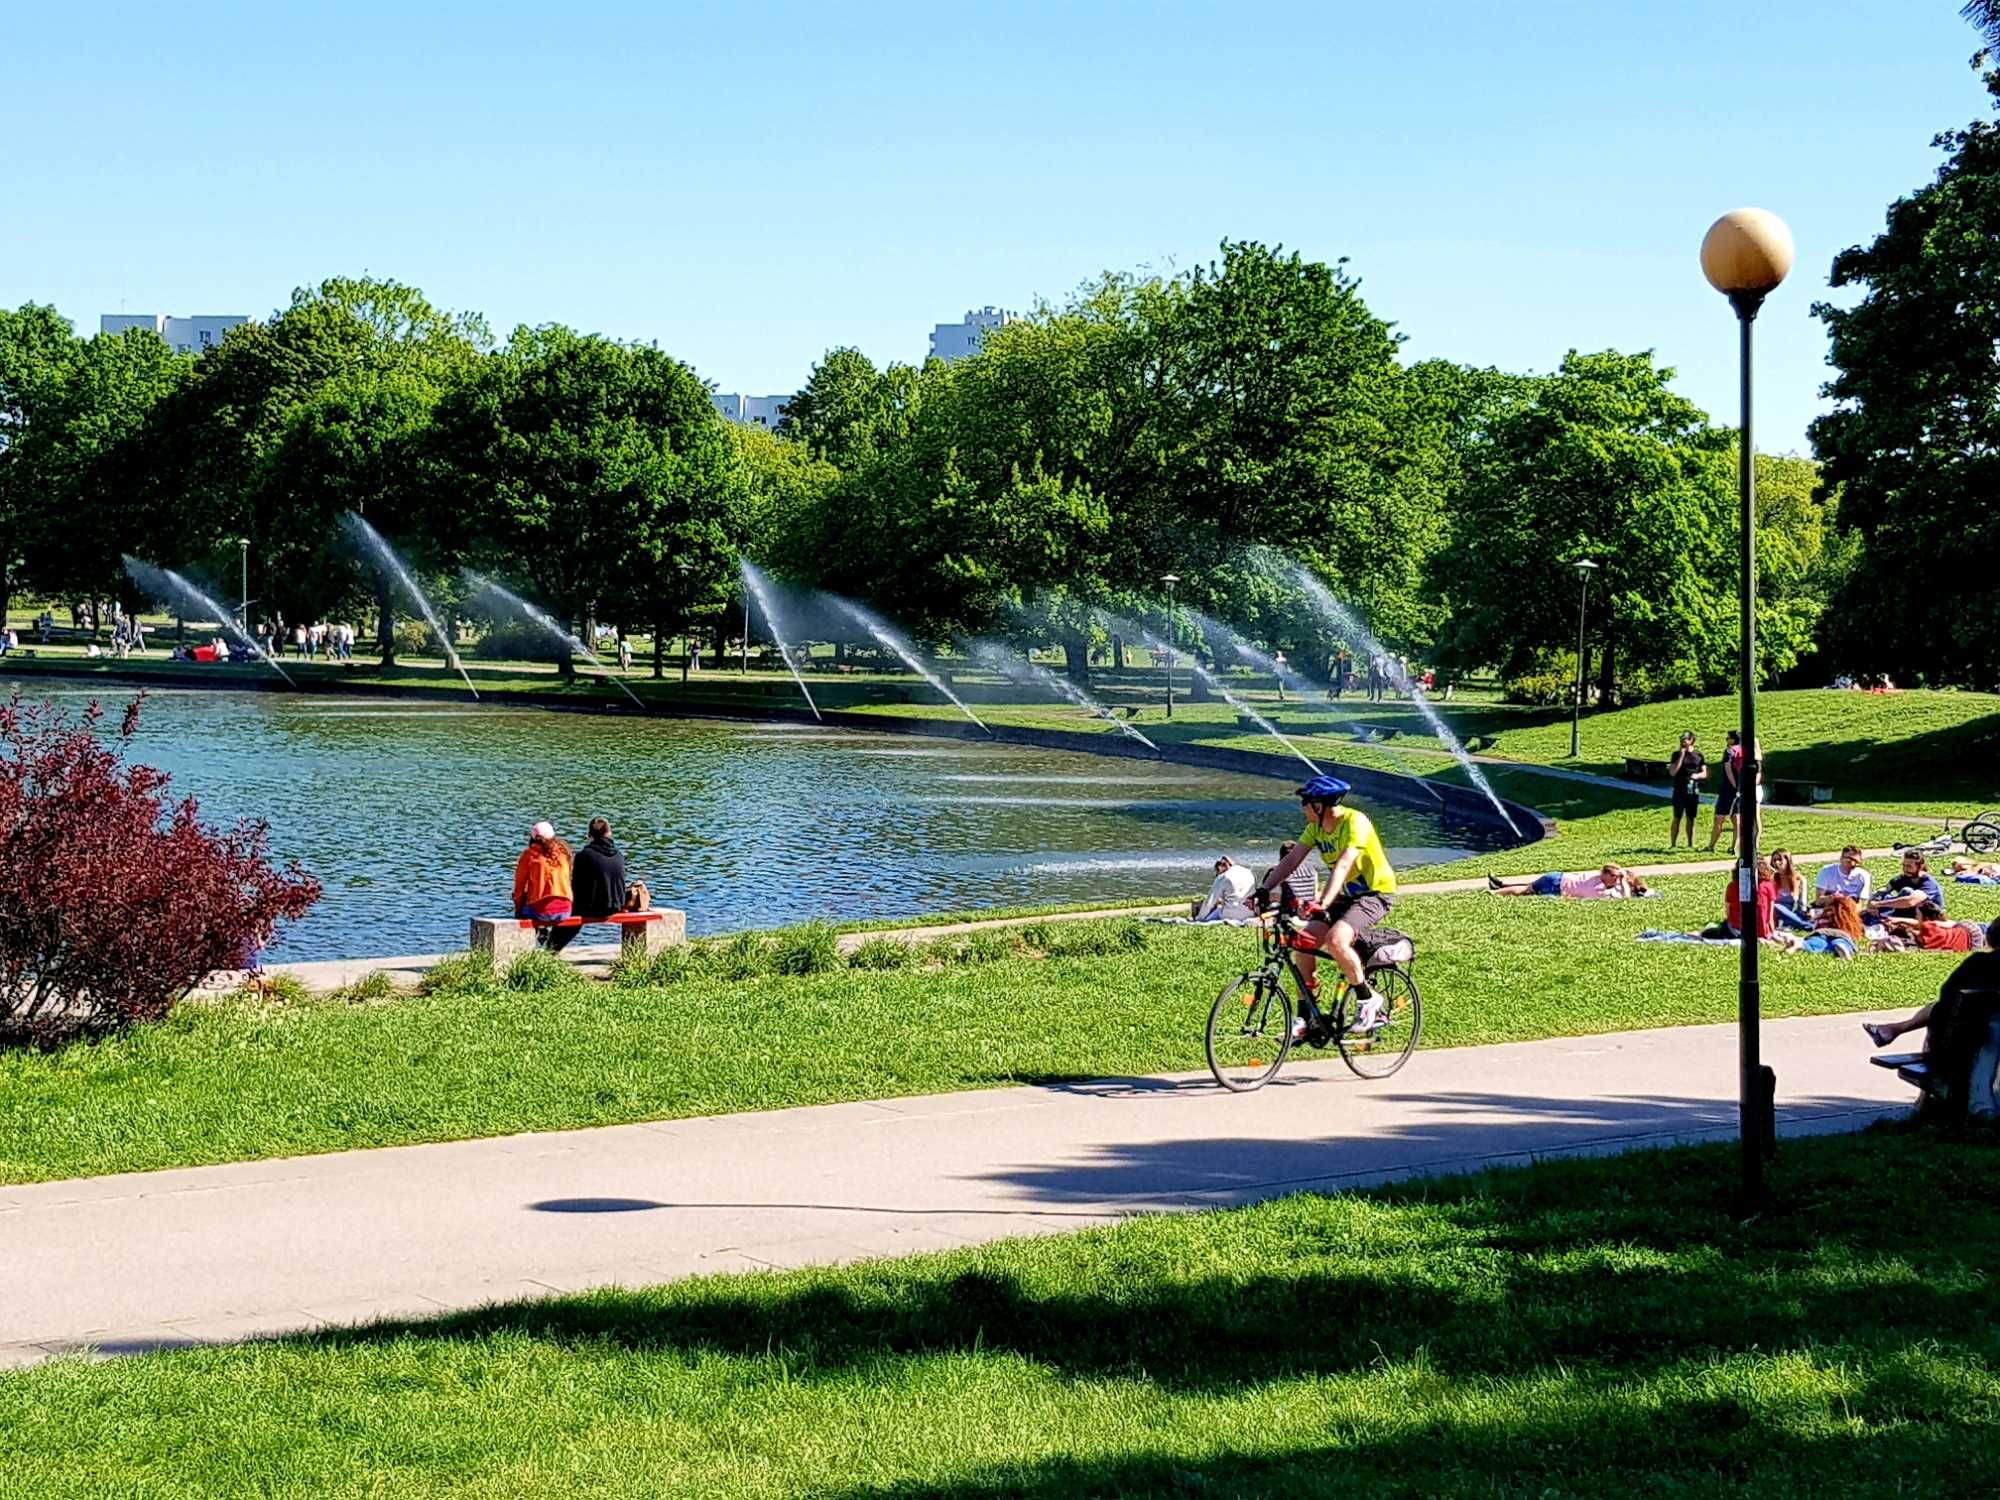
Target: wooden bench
<point x="1957" y="1073"/>
<point x="641" y="933"/>
<point x="1798" y="793"/>
<point x="1639" y="768"/>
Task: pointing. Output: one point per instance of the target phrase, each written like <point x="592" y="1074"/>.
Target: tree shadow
<point x="1633" y="1265"/>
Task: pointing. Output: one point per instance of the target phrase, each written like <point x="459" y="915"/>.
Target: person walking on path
<point x="1687" y="769"/>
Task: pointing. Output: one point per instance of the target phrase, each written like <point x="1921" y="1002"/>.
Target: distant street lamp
<point x="1745" y="256"/>
<point x="1584" y="568"/>
<point x="243" y="545"/>
<point x="686" y="623"/>
<point x="1170" y="580"/>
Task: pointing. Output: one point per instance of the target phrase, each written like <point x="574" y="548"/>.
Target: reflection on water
<point x="412" y="815"/>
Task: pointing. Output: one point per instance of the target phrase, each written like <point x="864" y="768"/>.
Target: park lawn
<point x="233" y="1082"/>
<point x="1598" y="1327"/>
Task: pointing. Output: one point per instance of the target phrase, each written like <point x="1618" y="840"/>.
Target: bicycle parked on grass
<point x="1254" y="1023"/>
<point x="1979" y="834"/>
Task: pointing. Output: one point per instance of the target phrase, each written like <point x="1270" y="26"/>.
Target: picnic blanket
<point x="1656" y="935"/>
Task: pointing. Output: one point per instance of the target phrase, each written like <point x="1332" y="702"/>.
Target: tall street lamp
<point x="686" y="622"/>
<point x="243" y="546"/>
<point x="1584" y="568"/>
<point x="1745" y="255"/>
<point x="1170" y="580"/>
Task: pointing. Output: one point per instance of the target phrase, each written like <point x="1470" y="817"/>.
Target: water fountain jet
<point x="1019" y="669"/>
<point x="760" y="587"/>
<point x="372" y="539"/>
<point x="160" y="581"/>
<point x="887" y="637"/>
<point x="548" y="623"/>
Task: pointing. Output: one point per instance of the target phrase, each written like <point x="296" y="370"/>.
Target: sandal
<point x="1881" y="1036"/>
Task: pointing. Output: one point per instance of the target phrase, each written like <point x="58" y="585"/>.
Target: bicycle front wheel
<point x="1249" y="1032"/>
<point x="1380" y="1052"/>
<point x="1981" y="835"/>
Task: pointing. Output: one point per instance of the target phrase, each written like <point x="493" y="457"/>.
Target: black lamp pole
<point x="1584" y="569"/>
<point x="1745" y="257"/>
<point x="1170" y="580"/>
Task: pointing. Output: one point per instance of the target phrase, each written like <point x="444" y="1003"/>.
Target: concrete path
<point x="215" y="1254"/>
<point x="596" y="959"/>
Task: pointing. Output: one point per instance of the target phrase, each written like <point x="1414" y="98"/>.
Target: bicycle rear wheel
<point x="1249" y="1032"/>
<point x="1981" y="835"/>
<point x="1378" y="1053"/>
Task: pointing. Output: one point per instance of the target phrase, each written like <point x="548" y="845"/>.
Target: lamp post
<point x="1584" y="568"/>
<point x="1170" y="580"/>
<point x="1745" y="255"/>
<point x="243" y="548"/>
<point x="686" y="649"/>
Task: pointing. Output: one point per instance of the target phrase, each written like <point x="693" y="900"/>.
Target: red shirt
<point x="1732" y="906"/>
<point x="1945" y="937"/>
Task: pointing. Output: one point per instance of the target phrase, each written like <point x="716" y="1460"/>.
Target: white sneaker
<point x="1371" y="1014"/>
<point x="1298" y="1028"/>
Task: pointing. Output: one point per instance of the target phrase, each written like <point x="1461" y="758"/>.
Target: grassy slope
<point x="229" y="1083"/>
<point x="1576" y="1328"/>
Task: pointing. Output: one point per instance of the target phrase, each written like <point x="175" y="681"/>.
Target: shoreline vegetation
<point x="769" y="1020"/>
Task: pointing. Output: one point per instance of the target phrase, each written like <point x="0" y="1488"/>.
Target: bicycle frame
<point x="1276" y="938"/>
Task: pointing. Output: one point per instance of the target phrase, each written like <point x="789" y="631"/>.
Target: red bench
<point x="641" y="933"/>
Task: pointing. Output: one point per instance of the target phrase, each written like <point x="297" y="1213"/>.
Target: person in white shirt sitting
<point x="1847" y="878"/>
<point x="1229" y="898"/>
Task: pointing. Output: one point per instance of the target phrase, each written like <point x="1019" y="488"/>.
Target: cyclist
<point x="1358" y="893"/>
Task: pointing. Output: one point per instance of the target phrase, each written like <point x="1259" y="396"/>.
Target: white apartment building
<point x="183" y="335"/>
<point x="751" y="411"/>
<point x="951" y="341"/>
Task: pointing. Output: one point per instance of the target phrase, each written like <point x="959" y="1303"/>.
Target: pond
<point x="411" y="814"/>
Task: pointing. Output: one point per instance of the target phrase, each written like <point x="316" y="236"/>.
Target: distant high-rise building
<point x="183" y="335"/>
<point x="751" y="411"/>
<point x="951" y="341"/>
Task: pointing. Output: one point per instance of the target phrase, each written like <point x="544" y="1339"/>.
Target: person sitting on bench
<point x="598" y="878"/>
<point x="1980" y="971"/>
<point x="542" y="877"/>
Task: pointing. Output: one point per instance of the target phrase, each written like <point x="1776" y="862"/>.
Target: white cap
<point x="543" y="830"/>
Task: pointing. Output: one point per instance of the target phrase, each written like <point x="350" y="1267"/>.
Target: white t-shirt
<point x="1834" y="881"/>
<point x="1229" y="898"/>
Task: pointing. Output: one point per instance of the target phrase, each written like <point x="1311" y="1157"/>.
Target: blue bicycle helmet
<point x="1324" y="789"/>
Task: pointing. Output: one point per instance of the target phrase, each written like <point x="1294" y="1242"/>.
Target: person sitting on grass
<point x="1792" y="908"/>
<point x="1766" y="900"/>
<point x="1849" y="878"/>
<point x="1913" y="893"/>
<point x="1302" y="884"/>
<point x="1980" y="971"/>
<point x="1229" y="897"/>
<point x="1612" y="882"/>
<point x="542" y="891"/>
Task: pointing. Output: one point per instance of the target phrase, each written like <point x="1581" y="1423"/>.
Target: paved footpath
<point x="213" y="1254"/>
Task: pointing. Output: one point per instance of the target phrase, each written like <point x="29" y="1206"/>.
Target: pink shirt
<point x="1588" y="888"/>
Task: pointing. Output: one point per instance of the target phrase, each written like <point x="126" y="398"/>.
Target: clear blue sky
<point x="751" y="185"/>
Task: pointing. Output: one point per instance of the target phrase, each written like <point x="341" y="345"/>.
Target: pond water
<point x="411" y="814"/>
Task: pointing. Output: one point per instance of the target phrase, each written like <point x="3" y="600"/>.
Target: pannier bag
<point x="1385" y="945"/>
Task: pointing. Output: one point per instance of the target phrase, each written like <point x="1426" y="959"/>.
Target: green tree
<point x="36" y="349"/>
<point x="598" y="475"/>
<point x="1604" y="463"/>
<point x="848" y="410"/>
<point x="1914" y="437"/>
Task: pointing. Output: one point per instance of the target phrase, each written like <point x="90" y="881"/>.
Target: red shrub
<point x="113" y="902"/>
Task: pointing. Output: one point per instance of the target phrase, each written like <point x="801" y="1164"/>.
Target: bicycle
<point x="1250" y="1026"/>
<point x="1979" y="834"/>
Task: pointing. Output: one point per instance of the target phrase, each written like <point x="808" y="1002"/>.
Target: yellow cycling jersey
<point x="1371" y="875"/>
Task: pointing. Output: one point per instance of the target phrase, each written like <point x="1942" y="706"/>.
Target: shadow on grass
<point x="1620" y="1268"/>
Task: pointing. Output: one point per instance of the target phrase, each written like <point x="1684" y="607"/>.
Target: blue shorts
<point x="1548" y="885"/>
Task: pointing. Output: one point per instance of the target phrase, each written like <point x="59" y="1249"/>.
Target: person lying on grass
<point x="1610" y="883"/>
<point x="1980" y="971"/>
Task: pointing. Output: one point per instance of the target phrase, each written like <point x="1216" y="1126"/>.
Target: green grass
<point x="1576" y="1328"/>
<point x="714" y="1029"/>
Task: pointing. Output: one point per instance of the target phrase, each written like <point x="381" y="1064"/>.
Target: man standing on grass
<point x="1687" y="770"/>
<point x="1728" y="801"/>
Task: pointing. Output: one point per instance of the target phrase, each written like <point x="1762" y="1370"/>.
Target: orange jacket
<point x="540" y="875"/>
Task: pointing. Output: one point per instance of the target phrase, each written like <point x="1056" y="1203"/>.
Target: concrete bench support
<point x="641" y="934"/>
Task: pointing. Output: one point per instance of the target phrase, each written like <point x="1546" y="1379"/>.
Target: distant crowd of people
<point x="309" y="642"/>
